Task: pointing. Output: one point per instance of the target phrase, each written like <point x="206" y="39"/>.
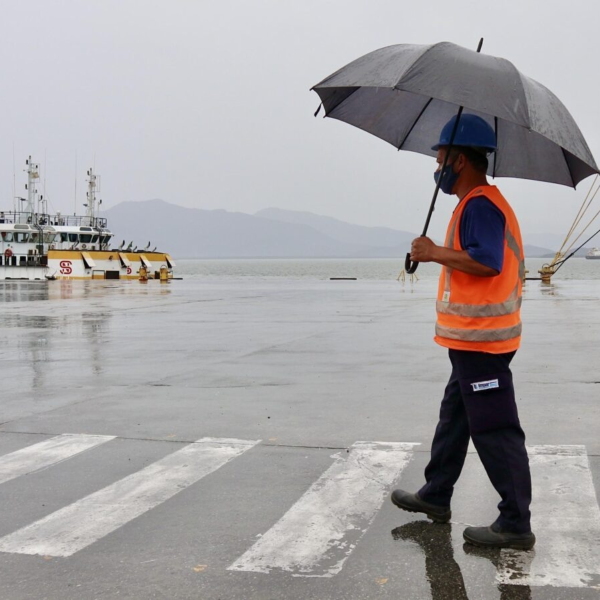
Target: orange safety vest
<point x="482" y="313"/>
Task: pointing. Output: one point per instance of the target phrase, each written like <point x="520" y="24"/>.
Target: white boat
<point x="593" y="254"/>
<point x="35" y="245"/>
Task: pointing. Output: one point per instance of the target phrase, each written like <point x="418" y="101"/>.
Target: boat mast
<point x="33" y="176"/>
<point x="93" y="187"/>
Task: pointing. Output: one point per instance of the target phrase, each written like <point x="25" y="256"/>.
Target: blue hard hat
<point x="472" y="131"/>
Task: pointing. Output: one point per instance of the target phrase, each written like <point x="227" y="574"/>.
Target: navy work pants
<point x="479" y="402"/>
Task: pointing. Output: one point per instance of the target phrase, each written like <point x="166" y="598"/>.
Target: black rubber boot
<point x="412" y="503"/>
<point x="495" y="537"/>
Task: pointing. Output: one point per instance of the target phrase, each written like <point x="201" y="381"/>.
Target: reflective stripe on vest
<point x="514" y="246"/>
<point x="479" y="310"/>
<point x="479" y="335"/>
<point x="450" y="245"/>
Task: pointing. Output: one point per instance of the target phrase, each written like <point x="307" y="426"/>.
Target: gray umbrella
<point x="405" y="94"/>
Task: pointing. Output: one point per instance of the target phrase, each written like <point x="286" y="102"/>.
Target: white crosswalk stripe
<point x="565" y="519"/>
<point x="47" y="453"/>
<point x="316" y="536"/>
<point x="80" y="524"/>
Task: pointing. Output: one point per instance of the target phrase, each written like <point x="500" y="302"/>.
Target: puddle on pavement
<point x="443" y="572"/>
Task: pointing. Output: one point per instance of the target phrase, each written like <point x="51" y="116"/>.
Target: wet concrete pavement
<point x="307" y="367"/>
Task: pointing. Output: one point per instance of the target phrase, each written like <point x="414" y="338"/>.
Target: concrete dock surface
<point x="238" y="438"/>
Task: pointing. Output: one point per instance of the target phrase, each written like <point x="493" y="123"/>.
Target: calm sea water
<point x="373" y="269"/>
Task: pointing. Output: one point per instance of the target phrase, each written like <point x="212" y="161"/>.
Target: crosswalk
<point x="318" y="533"/>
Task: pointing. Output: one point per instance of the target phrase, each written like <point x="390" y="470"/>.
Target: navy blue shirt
<point x="482" y="232"/>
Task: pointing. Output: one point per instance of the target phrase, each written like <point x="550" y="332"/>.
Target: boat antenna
<point x="14" y="181"/>
<point x="45" y="201"/>
<point x="75" y="195"/>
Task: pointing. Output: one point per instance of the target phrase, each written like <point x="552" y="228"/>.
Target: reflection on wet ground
<point x="29" y="321"/>
<point x="36" y="291"/>
<point x="443" y="572"/>
<point x="548" y="289"/>
<point x="47" y="326"/>
<point x="499" y="559"/>
<point x="23" y="291"/>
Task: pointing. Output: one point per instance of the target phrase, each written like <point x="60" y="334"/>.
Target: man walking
<point x="478" y="320"/>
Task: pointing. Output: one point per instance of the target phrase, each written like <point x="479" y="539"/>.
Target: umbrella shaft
<point x="410" y="266"/>
<point x="443" y="168"/>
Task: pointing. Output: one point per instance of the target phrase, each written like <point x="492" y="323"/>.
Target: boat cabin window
<point x="49" y="238"/>
<point x="7" y="236"/>
<point x="85" y="239"/>
<point x="33" y="237"/>
<point x="21" y="237"/>
<point x="73" y="237"/>
<point x="94" y="239"/>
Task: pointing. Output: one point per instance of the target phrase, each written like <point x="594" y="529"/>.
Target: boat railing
<point x="23" y="260"/>
<point x="26" y="218"/>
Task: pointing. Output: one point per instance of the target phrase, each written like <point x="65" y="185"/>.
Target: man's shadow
<point x="442" y="571"/>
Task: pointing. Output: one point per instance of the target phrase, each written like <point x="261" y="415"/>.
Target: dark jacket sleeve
<point x="482" y="232"/>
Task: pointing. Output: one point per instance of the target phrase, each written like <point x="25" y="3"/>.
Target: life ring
<point x="8" y="253"/>
<point x="83" y="246"/>
<point x="52" y="246"/>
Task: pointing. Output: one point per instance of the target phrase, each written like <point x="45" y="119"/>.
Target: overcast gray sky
<point x="207" y="104"/>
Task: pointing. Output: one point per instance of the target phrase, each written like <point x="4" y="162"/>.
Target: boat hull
<point x="112" y="264"/>
<point x="90" y="264"/>
<point x="23" y="273"/>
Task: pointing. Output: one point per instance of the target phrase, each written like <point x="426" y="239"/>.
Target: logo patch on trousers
<point x="485" y="385"/>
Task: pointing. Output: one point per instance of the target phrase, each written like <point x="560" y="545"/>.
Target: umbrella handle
<point x="409" y="266"/>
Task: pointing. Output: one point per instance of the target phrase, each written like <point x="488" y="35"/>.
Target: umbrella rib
<point x="495" y="153"/>
<point x="329" y="110"/>
<point x="414" y="123"/>
<point x="568" y="168"/>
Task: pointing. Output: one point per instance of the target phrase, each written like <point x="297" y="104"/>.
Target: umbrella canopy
<point x="404" y="94"/>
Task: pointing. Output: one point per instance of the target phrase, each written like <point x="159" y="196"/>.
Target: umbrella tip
<point x="480" y="45"/>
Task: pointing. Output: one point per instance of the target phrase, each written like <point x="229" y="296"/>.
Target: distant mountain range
<point x="270" y="233"/>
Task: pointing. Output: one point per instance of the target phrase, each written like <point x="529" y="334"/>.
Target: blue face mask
<point x="448" y="177"/>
